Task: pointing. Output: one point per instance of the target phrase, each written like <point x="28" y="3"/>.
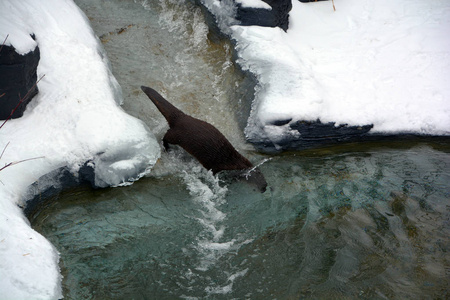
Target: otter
<point x="204" y="141"/>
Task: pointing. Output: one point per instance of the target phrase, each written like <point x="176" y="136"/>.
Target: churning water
<point x="368" y="221"/>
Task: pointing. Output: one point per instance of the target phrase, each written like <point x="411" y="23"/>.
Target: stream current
<point x="368" y="221"/>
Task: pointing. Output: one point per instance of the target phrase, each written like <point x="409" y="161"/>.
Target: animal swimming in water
<point x="204" y="141"/>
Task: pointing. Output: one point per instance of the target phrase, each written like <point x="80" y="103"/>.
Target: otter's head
<point x="256" y="178"/>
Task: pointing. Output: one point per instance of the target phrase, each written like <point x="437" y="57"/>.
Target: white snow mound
<point x="75" y="118"/>
<point x="385" y="63"/>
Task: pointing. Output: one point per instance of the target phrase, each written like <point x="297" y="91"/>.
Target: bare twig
<point x="332" y="1"/>
<point x="4" y="150"/>
<point x="9" y="117"/>
<point x="21" y="100"/>
<point x="15" y="162"/>
<point x="18" y="162"/>
<point x="4" y="42"/>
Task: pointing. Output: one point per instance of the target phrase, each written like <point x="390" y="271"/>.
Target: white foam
<point x="224" y="12"/>
<point x="206" y="191"/>
<point x="229" y="287"/>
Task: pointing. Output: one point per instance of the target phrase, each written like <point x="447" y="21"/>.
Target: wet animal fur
<point x="203" y="141"/>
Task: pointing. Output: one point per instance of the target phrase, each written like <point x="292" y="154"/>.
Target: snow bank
<point x="75" y="118"/>
<point x="254" y="4"/>
<point x="384" y="63"/>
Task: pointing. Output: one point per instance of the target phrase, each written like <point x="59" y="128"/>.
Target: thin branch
<point x="21" y="101"/>
<point x="4" y="42"/>
<point x="4" y="150"/>
<point x="19" y="161"/>
<point x="10" y="115"/>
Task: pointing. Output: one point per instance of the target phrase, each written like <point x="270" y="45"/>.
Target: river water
<point x="368" y="221"/>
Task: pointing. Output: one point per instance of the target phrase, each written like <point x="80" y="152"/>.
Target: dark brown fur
<point x="203" y="141"/>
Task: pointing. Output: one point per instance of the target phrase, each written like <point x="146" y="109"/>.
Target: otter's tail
<point x="169" y="111"/>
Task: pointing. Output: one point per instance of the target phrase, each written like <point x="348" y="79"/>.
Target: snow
<point x="75" y="118"/>
<point x="384" y="63"/>
<point x="254" y="4"/>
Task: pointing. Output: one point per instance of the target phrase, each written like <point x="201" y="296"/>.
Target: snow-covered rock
<point x="74" y="121"/>
<point x="268" y="13"/>
<point x="369" y="63"/>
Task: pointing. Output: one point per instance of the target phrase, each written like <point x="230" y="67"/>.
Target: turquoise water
<point x="356" y="221"/>
<point x="371" y="223"/>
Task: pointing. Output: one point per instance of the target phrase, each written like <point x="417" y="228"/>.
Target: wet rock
<point x="278" y="16"/>
<point x="17" y="78"/>
<point x="50" y="185"/>
<point x="317" y="130"/>
<point x="313" y="134"/>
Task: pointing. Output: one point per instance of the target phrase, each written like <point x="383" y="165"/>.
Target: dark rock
<point x="17" y="78"/>
<point x="278" y="16"/>
<point x="314" y="134"/>
<point x="86" y="174"/>
<point x="281" y="122"/>
<point x="317" y="130"/>
<point x="50" y="185"/>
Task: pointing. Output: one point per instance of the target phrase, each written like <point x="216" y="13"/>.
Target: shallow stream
<point x="368" y="221"/>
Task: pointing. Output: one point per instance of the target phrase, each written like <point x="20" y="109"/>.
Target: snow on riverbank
<point x="75" y="118"/>
<point x="369" y="62"/>
<point x="384" y="63"/>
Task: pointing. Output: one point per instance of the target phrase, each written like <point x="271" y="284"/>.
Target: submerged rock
<point x="17" y="78"/>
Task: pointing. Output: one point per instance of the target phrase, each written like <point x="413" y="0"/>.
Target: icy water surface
<point x="368" y="221"/>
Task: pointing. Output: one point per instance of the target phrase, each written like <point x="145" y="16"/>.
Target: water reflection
<point x="370" y="224"/>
